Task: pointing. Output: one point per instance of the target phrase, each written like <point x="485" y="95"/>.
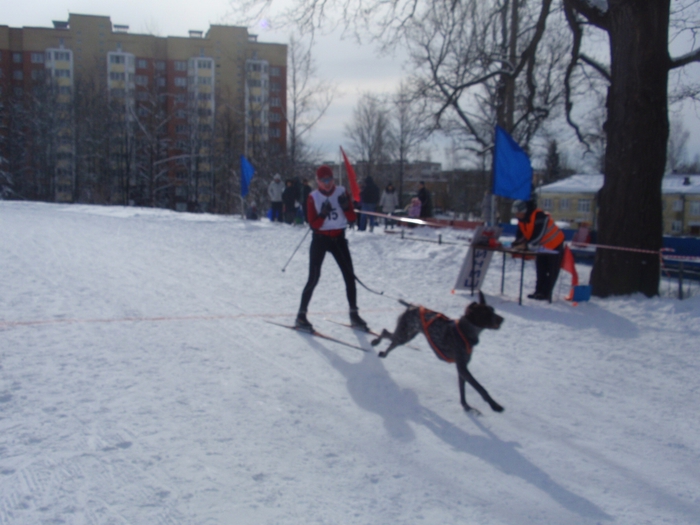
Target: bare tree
<point x="677" y="141"/>
<point x="308" y="99"/>
<point x="630" y="210"/>
<point x="411" y="128"/>
<point x="370" y="132"/>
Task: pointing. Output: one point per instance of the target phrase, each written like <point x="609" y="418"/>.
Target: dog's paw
<point x="497" y="408"/>
<point x="375" y="342"/>
<point x="381" y="354"/>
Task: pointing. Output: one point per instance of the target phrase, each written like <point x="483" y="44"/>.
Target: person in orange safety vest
<point x="536" y="229"/>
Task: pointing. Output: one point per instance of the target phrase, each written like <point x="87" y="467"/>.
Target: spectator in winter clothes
<point x="425" y="202"/>
<point x="388" y="203"/>
<point x="289" y="199"/>
<point x="304" y="196"/>
<point x="329" y="209"/>
<point x="370" y="198"/>
<point x="536" y="229"/>
<point x="274" y="191"/>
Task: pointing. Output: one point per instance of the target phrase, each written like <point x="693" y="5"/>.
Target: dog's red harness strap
<point x="467" y="344"/>
<point x="428" y="317"/>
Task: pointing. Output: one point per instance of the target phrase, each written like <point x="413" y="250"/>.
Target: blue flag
<point x="512" y="171"/>
<point x="247" y="172"/>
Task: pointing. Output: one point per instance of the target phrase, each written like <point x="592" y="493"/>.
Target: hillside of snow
<point x="141" y="384"/>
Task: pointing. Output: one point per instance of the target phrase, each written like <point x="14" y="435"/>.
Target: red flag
<point x="567" y="264"/>
<point x="352" y="178"/>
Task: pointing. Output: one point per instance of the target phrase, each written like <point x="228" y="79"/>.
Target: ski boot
<point x="302" y="323"/>
<point x="357" y="322"/>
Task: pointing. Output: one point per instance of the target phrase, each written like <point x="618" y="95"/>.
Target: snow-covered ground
<point x="140" y="384"/>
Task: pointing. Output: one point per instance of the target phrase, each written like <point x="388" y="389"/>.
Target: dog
<point x="451" y="340"/>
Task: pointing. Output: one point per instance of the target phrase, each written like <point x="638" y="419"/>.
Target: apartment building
<point x="573" y="200"/>
<point x="186" y="84"/>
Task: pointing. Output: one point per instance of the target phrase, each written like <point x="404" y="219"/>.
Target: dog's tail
<point x="405" y="303"/>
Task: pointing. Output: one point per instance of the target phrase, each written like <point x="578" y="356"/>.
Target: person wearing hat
<point x="425" y="201"/>
<point x="536" y="229"/>
<point x="275" y="191"/>
<point x="329" y="210"/>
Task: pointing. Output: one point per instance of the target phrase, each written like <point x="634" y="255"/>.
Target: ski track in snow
<point x="139" y="384"/>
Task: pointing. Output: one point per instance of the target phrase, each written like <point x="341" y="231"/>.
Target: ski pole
<point x="296" y="249"/>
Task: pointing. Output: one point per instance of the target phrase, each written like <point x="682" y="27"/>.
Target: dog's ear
<point x="481" y="298"/>
<point x="470" y="307"/>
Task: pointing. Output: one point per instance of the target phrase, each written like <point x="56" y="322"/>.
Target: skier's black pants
<point x="547" y="266"/>
<point x="338" y="247"/>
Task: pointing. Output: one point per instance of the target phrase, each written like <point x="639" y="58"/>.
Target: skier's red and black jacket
<point x="334" y="224"/>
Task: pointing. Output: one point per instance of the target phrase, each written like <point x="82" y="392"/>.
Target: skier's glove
<point x="344" y="201"/>
<point x="326" y="209"/>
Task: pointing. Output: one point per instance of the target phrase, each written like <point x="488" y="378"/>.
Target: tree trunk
<point x="637" y="131"/>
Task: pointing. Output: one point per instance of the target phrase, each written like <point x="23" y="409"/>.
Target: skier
<point x="329" y="209"/>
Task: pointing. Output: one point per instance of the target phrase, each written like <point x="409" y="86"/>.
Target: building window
<point x="37" y="74"/>
<point x="676" y="227"/>
<point x="17" y="58"/>
<point x="275" y="87"/>
<point x="547" y="204"/>
<point x="564" y="204"/>
<point x="204" y="64"/>
<point x="584" y="205"/>
<point x="141" y="80"/>
<point x="275" y="71"/>
<point x="205" y="81"/>
<point x="254" y="82"/>
<point x="116" y="59"/>
<point x="142" y="63"/>
<point x="180" y="65"/>
<point x="64" y="90"/>
<point x="61" y="55"/>
<point x="677" y="205"/>
<point x="17" y="74"/>
<point x="160" y="81"/>
<point x="37" y="58"/>
<point x="181" y="81"/>
<point x="142" y="96"/>
<point x="180" y="98"/>
<point x="160" y="65"/>
<point x="203" y="96"/>
<point x="695" y="208"/>
<point x="275" y="133"/>
<point x="114" y="75"/>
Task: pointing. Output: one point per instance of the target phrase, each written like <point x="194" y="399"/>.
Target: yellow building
<point x="573" y="200"/>
<point x="197" y="80"/>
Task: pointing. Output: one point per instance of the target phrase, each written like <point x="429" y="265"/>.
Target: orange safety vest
<point x="552" y="236"/>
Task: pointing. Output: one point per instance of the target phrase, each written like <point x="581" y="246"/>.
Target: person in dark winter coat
<point x="537" y="229"/>
<point x="370" y="198"/>
<point x="289" y="198"/>
<point x="306" y="189"/>
<point x="426" y="206"/>
<point x="329" y="209"/>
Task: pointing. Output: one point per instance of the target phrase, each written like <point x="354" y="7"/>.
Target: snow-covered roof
<point x="582" y="183"/>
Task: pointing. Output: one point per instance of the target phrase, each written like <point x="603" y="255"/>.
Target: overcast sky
<point x="353" y="67"/>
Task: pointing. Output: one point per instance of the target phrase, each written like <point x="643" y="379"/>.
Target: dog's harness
<point x="427" y="318"/>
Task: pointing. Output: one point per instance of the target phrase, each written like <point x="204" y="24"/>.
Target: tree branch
<point x="688" y="58"/>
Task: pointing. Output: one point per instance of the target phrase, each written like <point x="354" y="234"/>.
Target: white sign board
<point x="477" y="261"/>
